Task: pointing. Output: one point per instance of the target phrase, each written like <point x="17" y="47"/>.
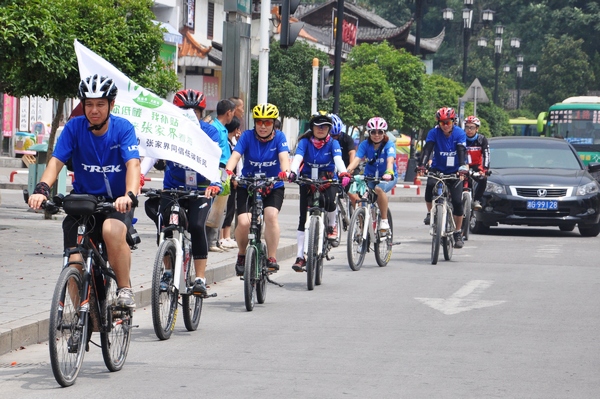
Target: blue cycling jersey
<point x="98" y="161"/>
<point x="445" y="156"/>
<point x="376" y="159"/>
<point x="321" y="159"/>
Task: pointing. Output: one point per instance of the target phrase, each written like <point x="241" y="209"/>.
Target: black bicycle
<point x="256" y="273"/>
<point x="85" y="296"/>
<point x="174" y="273"/>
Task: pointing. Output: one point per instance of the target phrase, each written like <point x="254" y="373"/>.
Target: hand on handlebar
<point x="346" y="178"/>
<point x="283" y="175"/>
<point x="292" y="177"/>
<point x="421" y="170"/>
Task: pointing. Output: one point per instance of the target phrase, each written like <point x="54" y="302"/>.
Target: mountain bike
<point x="364" y="228"/>
<point x="344" y="207"/>
<point x="175" y="254"/>
<point x="256" y="273"/>
<point x="442" y="222"/>
<point x="84" y="299"/>
<point x="316" y="243"/>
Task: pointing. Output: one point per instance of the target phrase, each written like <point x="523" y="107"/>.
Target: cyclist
<point x="380" y="154"/>
<point x="105" y="158"/>
<point x="317" y="156"/>
<point x="447" y="142"/>
<point x="265" y="150"/>
<point x="180" y="176"/>
<point x="478" y="155"/>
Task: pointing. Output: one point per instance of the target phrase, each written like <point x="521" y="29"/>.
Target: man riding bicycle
<point x="105" y="158"/>
<point x="265" y="150"/>
<point x="447" y="143"/>
<point x="478" y="155"/>
<point x="380" y="154"/>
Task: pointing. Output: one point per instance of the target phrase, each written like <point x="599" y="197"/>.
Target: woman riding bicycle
<point x="317" y="156"/>
<point x="478" y="155"/>
<point x="265" y="150"/>
<point x="445" y="145"/>
<point x="180" y="176"/>
<point x="380" y="156"/>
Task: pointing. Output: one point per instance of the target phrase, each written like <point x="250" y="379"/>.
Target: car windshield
<point x="519" y="157"/>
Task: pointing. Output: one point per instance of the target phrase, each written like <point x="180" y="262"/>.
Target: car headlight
<point x="586" y="189"/>
<point x="495" y="188"/>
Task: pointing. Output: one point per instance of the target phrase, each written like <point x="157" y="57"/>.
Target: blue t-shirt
<point x="95" y="157"/>
<point x="376" y="159"/>
<point x="223" y="141"/>
<point x="262" y="157"/>
<point x="322" y="159"/>
<point x="445" y="156"/>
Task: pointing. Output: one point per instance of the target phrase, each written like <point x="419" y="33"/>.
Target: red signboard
<point x="7" y="119"/>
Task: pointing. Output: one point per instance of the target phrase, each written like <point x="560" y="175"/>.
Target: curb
<point x="33" y="329"/>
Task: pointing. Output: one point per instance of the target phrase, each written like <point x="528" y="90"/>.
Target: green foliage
<point x="37" y="56"/>
<point x="439" y="92"/>
<point x="404" y="76"/>
<point x="290" y="79"/>
<point x="494" y="120"/>
<point x="564" y="71"/>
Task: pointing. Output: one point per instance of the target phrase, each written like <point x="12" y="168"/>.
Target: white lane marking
<point x="463" y="300"/>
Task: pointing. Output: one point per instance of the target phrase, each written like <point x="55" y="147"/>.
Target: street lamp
<point x="467" y="16"/>
<point x="497" y="56"/>
<point x="532" y="69"/>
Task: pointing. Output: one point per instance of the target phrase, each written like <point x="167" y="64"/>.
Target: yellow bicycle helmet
<point x="265" y="111"/>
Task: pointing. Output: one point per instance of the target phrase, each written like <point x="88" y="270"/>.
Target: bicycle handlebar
<point x="55" y="204"/>
<point x="173" y="192"/>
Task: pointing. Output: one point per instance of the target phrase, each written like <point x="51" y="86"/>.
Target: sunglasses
<point x="446" y="123"/>
<point x="374" y="132"/>
<point x="470" y="127"/>
<point x="266" y="122"/>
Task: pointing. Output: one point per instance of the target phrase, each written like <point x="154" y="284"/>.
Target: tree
<point x="37" y="57"/>
<point x="403" y="73"/>
<point x="564" y="71"/>
<point x="290" y="79"/>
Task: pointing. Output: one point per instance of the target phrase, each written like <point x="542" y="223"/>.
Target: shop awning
<point x="171" y="35"/>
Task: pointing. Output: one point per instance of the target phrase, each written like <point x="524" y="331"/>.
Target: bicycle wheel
<point x="66" y="338"/>
<point x="438" y="229"/>
<point x="261" y="284"/>
<point x="466" y="201"/>
<point x="250" y="278"/>
<point x="342" y="207"/>
<point x="356" y="246"/>
<point x="448" y="240"/>
<point x="191" y="304"/>
<point x="383" y="244"/>
<point x="115" y="341"/>
<point x="338" y="239"/>
<point x="164" y="301"/>
<point x="312" y="252"/>
<point x="321" y="260"/>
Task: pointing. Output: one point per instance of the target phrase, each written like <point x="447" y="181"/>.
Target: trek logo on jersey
<point x="447" y="153"/>
<point x="133" y="148"/>
<point x="102" y="169"/>
<point x="263" y="164"/>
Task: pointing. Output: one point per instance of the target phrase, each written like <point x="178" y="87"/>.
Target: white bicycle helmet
<point x="97" y="87"/>
<point x="377" y="123"/>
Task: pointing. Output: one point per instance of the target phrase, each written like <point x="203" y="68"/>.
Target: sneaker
<point x="240" y="265"/>
<point x="165" y="281"/>
<point x="214" y="248"/>
<point x="332" y="232"/>
<point x="125" y="297"/>
<point x="228" y="243"/>
<point x="477" y="205"/>
<point x="427" y="219"/>
<point x="458" y="240"/>
<point x="299" y="265"/>
<point x="384" y="225"/>
<point x="272" y="265"/>
<point x="199" y="287"/>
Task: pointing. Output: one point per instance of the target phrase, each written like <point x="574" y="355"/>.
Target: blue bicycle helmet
<point x="338" y="126"/>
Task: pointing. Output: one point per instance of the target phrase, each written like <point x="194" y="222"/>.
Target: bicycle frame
<point x="369" y="201"/>
<point x="442" y="196"/>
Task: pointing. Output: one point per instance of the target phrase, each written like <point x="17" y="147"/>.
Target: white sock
<point x="300" y="235"/>
<point x="332" y="216"/>
<point x="201" y="279"/>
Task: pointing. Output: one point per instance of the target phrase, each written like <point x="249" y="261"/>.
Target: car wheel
<point x="477" y="227"/>
<point x="568" y="227"/>
<point x="589" y="230"/>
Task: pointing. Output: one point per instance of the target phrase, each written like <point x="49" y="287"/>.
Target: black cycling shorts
<point x="244" y="201"/>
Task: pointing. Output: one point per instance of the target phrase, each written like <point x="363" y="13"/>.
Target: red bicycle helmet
<point x="189" y="98"/>
<point x="445" y="113"/>
<point x="474" y="120"/>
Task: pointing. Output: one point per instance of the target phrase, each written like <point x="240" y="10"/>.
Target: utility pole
<point x="338" y="57"/>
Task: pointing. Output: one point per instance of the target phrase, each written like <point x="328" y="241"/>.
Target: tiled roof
<point x="190" y="50"/>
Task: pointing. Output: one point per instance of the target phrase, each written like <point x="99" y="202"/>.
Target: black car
<point x="539" y="181"/>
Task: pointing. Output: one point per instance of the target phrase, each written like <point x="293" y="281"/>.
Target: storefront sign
<point x="7" y="116"/>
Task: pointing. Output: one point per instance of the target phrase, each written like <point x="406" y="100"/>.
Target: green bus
<point x="522" y="126"/>
<point x="577" y="120"/>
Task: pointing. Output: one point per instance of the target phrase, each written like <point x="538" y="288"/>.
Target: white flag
<point x="164" y="131"/>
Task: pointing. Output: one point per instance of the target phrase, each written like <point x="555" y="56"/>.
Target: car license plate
<point x="544" y="205"/>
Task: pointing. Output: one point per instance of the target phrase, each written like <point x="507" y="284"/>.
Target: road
<point x="513" y="315"/>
